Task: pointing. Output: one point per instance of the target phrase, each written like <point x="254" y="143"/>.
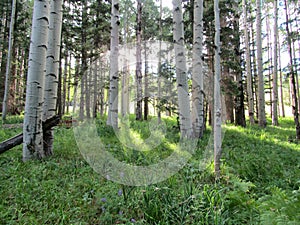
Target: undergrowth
<point x="259" y="184"/>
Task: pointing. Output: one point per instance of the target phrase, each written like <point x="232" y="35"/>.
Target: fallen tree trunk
<point x="17" y="140"/>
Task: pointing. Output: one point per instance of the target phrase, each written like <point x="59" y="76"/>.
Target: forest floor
<point x="260" y="181"/>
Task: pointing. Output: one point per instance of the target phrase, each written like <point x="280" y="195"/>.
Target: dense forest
<point x="149" y="112"/>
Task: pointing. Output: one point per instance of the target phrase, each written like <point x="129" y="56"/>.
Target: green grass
<point x="260" y="182"/>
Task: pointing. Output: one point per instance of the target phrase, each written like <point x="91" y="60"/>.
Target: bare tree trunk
<point x="76" y="81"/>
<point x="197" y="73"/>
<point x="95" y="87"/>
<point x="280" y="79"/>
<point x="82" y="95"/>
<point x="292" y="75"/>
<point x="159" y="61"/>
<point x="217" y="95"/>
<point x="139" y="75"/>
<point x="114" y="76"/>
<point x="52" y="70"/>
<point x="64" y="85"/>
<point x="239" y="106"/>
<point x="275" y="71"/>
<point x="32" y="128"/>
<point x="146" y="83"/>
<point x="8" y="63"/>
<point x="186" y="129"/>
<point x="248" y="66"/>
<point x="261" y="90"/>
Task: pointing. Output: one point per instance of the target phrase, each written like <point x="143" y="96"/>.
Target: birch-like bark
<point x="8" y="63"/>
<point x="217" y="95"/>
<point x="185" y="121"/>
<point x="248" y="66"/>
<point x="32" y="128"/>
<point x="261" y="90"/>
<point x="275" y="70"/>
<point x="197" y="73"/>
<point x="52" y="70"/>
<point x="280" y="80"/>
<point x="114" y="76"/>
<point x="159" y="60"/>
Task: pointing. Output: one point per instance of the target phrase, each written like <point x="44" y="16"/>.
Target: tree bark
<point x="18" y="139"/>
<point x="9" y="59"/>
<point x="248" y="66"/>
<point x="138" y="75"/>
<point x="292" y="75"/>
<point x="217" y="95"/>
<point x="261" y="90"/>
<point x="186" y="129"/>
<point x="52" y="71"/>
<point x="197" y="73"/>
<point x="32" y="129"/>
<point x="114" y="74"/>
<point x="275" y="71"/>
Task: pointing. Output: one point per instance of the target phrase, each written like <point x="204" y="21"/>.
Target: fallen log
<point x="18" y="139"/>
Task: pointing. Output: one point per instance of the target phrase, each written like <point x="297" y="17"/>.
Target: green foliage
<point x="281" y="207"/>
<point x="259" y="183"/>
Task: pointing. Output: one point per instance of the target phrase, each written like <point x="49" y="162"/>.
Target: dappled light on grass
<point x="259" y="183"/>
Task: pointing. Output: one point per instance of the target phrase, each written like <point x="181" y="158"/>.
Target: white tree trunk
<point x="275" y="70"/>
<point x="248" y="66"/>
<point x="181" y="72"/>
<point x="197" y="73"/>
<point x="52" y="70"/>
<point x="32" y="129"/>
<point x="261" y="89"/>
<point x="159" y="60"/>
<point x="114" y="76"/>
<point x="217" y="95"/>
<point x="8" y="63"/>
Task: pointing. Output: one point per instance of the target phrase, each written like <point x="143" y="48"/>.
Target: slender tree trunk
<point x="95" y="89"/>
<point x="275" y="70"/>
<point x="197" y="73"/>
<point x="280" y="79"/>
<point x="82" y="95"/>
<point x="248" y="66"/>
<point x="88" y="80"/>
<point x="292" y="75"/>
<point x="240" y="119"/>
<point x="254" y="66"/>
<point x="69" y="74"/>
<point x="76" y="81"/>
<point x="186" y="129"/>
<point x="32" y="128"/>
<point x="146" y="83"/>
<point x="52" y="71"/>
<point x="261" y="90"/>
<point x="114" y="74"/>
<point x="159" y="60"/>
<point x="270" y="61"/>
<point x="65" y="83"/>
<point x="217" y="95"/>
<point x="9" y="59"/>
<point x="139" y="75"/>
<point x="3" y="59"/>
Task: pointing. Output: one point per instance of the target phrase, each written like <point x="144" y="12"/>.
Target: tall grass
<point x="259" y="185"/>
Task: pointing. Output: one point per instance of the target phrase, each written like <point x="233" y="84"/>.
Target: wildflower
<point x="120" y="192"/>
<point x="103" y="199"/>
<point x="132" y="220"/>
